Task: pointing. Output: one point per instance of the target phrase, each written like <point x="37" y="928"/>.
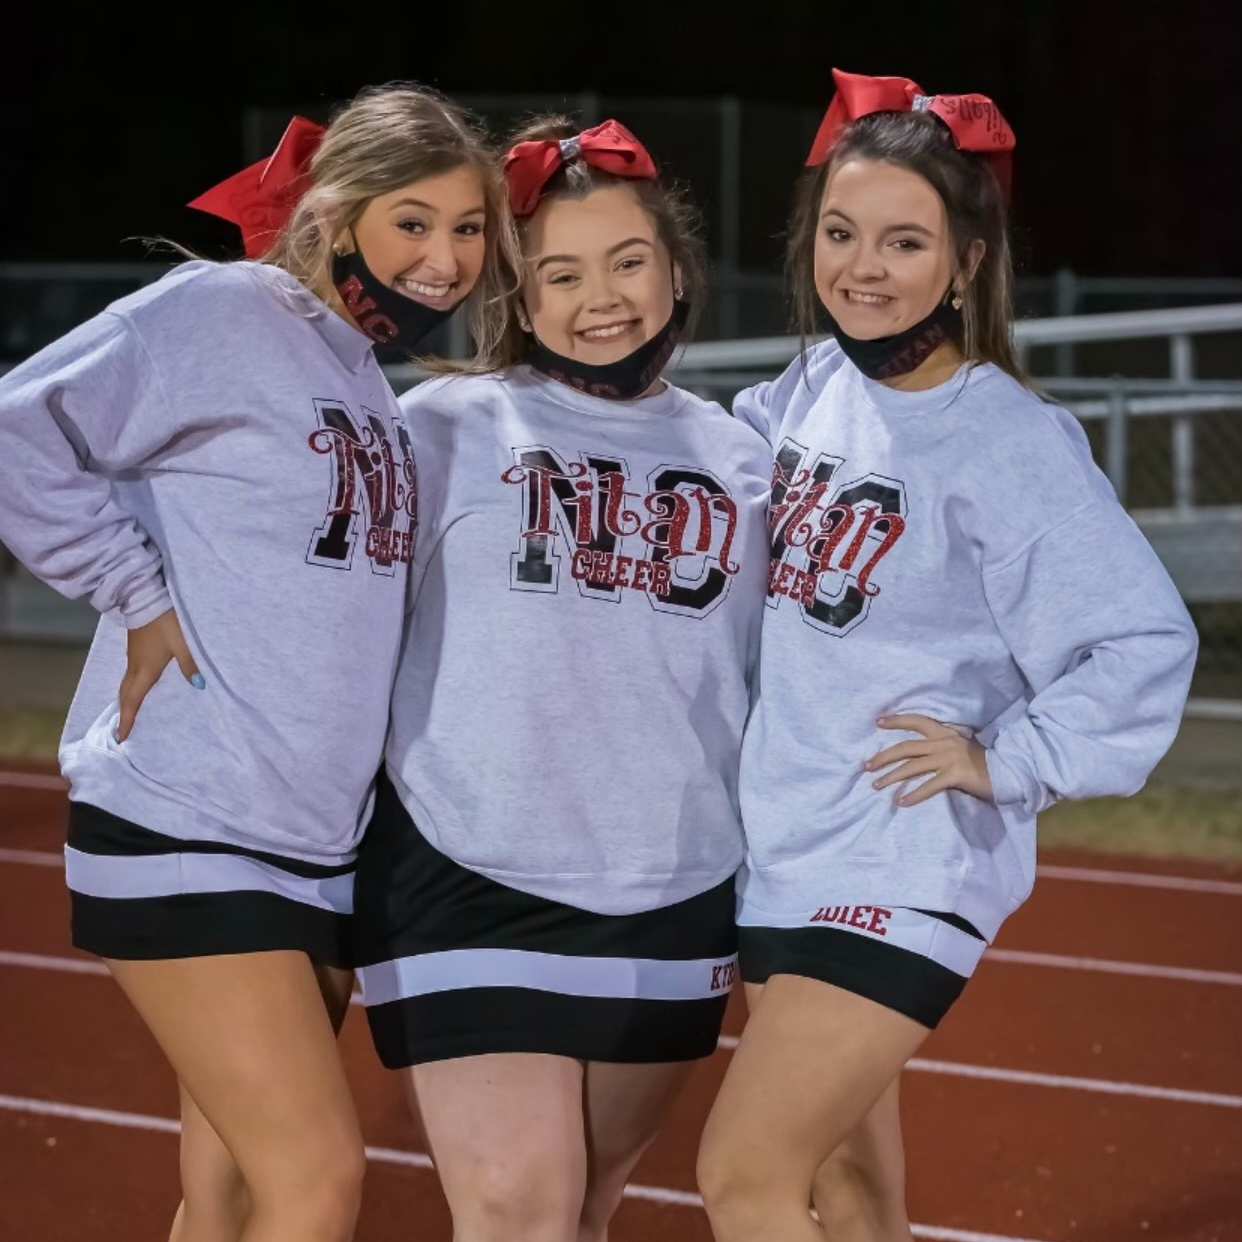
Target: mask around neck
<point x="887" y="357"/>
<point x="624" y="379"/>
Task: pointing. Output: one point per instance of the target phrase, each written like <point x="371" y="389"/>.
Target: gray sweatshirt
<point x="588" y="591"/>
<point x="223" y="443"/>
<point x="953" y="553"/>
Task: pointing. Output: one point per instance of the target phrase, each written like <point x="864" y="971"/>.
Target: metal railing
<point x="1155" y="438"/>
<point x="41" y="301"/>
<point x="1172" y="447"/>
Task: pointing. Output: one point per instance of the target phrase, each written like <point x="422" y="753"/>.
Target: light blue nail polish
<point x="198" y="681"/>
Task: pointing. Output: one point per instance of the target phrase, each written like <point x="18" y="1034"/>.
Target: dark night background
<point x="1128" y="115"/>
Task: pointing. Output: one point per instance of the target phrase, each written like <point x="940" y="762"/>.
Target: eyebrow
<point x="908" y="227"/>
<point x="418" y="202"/>
<point x="573" y="258"/>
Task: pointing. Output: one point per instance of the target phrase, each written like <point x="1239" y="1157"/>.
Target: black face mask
<point x="623" y="380"/>
<point x="890" y="356"/>
<point x="386" y="316"/>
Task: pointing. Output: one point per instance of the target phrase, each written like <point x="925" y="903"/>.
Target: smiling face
<point x="598" y="280"/>
<point x="425" y="240"/>
<point x="883" y="251"/>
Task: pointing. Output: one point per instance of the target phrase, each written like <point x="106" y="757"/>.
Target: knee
<point x="514" y="1200"/>
<point x="749" y="1193"/>
<point x="212" y="1210"/>
<point x="334" y="1183"/>
<point x="853" y="1197"/>
<point x="841" y="1188"/>
<point x="209" y="1173"/>
<point x="318" y="1185"/>
<point x="726" y="1181"/>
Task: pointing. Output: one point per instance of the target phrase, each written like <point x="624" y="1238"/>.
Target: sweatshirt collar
<point x="922" y="401"/>
<point x="659" y="405"/>
<point x="350" y="345"/>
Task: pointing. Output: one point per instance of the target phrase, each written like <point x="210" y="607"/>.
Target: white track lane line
<point x="1029" y="1078"/>
<point x="417" y="1160"/>
<point x="1138" y="879"/>
<point x="34" y="780"/>
<point x="959" y="1069"/>
<point x="1015" y="957"/>
<point x="77" y="966"/>
<point x="1019" y="957"/>
<point x="32" y="858"/>
<point x="37" y="961"/>
<point x="1102" y="1085"/>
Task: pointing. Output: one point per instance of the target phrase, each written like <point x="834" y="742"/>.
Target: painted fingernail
<point x="198" y="681"/>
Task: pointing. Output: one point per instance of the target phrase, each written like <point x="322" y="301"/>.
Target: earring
<point x="956" y="301"/>
<point x="679" y="293"/>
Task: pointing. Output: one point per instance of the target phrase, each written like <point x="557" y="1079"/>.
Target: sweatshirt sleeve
<point x="1105" y="643"/>
<point x="85" y="407"/>
<point x="753" y="406"/>
<point x="764" y="406"/>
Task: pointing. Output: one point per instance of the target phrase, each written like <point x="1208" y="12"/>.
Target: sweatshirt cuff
<point x="1007" y="784"/>
<point x="151" y="604"/>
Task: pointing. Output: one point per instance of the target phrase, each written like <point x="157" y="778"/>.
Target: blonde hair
<point x="388" y="137"/>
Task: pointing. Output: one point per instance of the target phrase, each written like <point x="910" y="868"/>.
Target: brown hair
<point x="973" y="203"/>
<point x="675" y="218"/>
<point x="388" y="137"/>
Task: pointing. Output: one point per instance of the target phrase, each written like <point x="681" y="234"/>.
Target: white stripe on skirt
<point x="601" y="977"/>
<point x="171" y="875"/>
<point x="923" y="934"/>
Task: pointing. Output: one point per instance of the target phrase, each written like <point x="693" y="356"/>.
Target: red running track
<point x="1088" y="1086"/>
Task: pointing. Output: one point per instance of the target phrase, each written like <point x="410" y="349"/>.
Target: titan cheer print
<point x="373" y="486"/>
<point x="671" y="540"/>
<point x="839" y="535"/>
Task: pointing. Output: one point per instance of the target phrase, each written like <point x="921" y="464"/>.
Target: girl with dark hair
<point x="955" y="598"/>
<point x="545" y="893"/>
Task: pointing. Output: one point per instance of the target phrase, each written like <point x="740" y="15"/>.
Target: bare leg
<point x="249" y="1037"/>
<point x="625" y="1105"/>
<point x="214" y="1198"/>
<point x="860" y="1190"/>
<point x="506" y="1134"/>
<point x="813" y="1061"/>
<point x="215" y="1201"/>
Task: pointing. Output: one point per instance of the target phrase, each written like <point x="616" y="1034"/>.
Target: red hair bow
<point x="609" y="146"/>
<point x="261" y="198"/>
<point x="974" y="120"/>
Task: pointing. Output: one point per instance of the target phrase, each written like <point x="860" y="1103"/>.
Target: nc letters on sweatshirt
<point x="672" y="540"/>
<point x="843" y="534"/>
<point x="369" y="474"/>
